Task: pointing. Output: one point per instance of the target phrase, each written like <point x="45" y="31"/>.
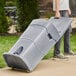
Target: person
<point x="62" y="9"/>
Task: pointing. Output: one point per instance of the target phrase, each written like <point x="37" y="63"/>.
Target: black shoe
<point x="60" y="56"/>
<point x="70" y="53"/>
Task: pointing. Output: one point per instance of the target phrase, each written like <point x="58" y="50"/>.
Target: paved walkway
<point x="73" y="23"/>
<point x="51" y="67"/>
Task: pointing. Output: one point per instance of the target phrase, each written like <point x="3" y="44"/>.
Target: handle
<point x="49" y="36"/>
<point x="56" y="18"/>
<point x="19" y="50"/>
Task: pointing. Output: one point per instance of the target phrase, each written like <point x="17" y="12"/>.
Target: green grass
<point x="6" y="42"/>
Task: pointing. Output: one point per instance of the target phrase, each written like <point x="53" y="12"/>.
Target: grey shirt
<point x="63" y="4"/>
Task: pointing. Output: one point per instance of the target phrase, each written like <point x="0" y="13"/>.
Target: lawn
<point x="6" y="42"/>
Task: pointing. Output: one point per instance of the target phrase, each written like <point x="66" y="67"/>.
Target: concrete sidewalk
<point x="73" y="23"/>
<point x="51" y="67"/>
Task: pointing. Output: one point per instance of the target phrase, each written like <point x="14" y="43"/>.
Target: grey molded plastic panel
<point x="34" y="29"/>
<point x="35" y="42"/>
<point x="44" y="42"/>
<point x="61" y="24"/>
<point x="23" y="43"/>
<point x="58" y="27"/>
<point x="31" y="56"/>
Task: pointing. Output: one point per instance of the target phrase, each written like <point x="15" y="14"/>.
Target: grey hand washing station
<point x="36" y="41"/>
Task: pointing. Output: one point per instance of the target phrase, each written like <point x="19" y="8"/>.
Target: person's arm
<point x="69" y="11"/>
<point x="57" y="13"/>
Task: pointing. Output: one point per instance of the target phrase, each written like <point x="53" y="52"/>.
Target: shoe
<point x="70" y="53"/>
<point x="60" y="56"/>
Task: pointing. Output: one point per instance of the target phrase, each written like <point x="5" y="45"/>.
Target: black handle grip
<point x="56" y="18"/>
<point x="49" y="36"/>
<point x="19" y="50"/>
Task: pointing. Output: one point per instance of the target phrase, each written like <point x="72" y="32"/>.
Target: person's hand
<point x="69" y="11"/>
<point x="57" y="14"/>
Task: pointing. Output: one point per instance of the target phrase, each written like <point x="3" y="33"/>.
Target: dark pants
<point x="66" y="38"/>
